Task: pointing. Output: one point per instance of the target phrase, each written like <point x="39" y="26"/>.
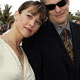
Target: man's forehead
<point x="51" y="1"/>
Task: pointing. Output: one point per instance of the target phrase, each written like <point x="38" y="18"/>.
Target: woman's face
<point x="26" y="23"/>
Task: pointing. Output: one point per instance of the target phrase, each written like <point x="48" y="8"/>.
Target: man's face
<point x="59" y="11"/>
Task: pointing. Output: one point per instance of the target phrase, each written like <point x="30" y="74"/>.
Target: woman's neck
<point x="13" y="37"/>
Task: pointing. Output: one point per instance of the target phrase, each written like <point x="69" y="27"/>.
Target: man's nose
<point x="57" y="9"/>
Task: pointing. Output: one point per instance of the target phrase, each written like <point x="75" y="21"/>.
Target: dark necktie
<point x="67" y="43"/>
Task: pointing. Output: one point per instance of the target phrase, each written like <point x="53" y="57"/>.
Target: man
<point x="47" y="53"/>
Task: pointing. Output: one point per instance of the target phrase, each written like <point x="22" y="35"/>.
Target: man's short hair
<point x="43" y="1"/>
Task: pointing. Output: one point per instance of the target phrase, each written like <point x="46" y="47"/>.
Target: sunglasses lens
<point x="52" y="6"/>
<point x="61" y="3"/>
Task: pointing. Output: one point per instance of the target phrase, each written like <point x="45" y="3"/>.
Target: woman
<point x="14" y="64"/>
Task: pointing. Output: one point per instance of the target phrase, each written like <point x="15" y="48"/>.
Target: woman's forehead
<point x="32" y="9"/>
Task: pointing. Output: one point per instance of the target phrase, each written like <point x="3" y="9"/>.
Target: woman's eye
<point x="39" y="22"/>
<point x="29" y="16"/>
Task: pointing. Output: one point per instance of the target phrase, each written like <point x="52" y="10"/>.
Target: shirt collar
<point x="60" y="29"/>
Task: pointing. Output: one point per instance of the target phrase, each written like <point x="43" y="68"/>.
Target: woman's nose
<point x="32" y="23"/>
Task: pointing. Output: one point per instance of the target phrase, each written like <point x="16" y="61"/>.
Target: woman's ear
<point x="16" y="14"/>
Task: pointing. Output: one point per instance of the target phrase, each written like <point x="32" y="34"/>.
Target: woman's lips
<point x="28" y="29"/>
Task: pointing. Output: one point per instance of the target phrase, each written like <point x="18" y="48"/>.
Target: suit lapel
<point x="76" y="42"/>
<point x="60" y="46"/>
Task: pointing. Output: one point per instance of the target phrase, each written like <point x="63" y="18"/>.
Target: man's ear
<point x="68" y="2"/>
<point x="16" y="14"/>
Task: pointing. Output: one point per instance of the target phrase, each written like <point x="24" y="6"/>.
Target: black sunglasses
<point x="59" y="4"/>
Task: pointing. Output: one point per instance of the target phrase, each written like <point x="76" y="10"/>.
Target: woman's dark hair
<point x="38" y="8"/>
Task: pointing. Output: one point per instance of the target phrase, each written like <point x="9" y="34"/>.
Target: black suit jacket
<point x="48" y="56"/>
